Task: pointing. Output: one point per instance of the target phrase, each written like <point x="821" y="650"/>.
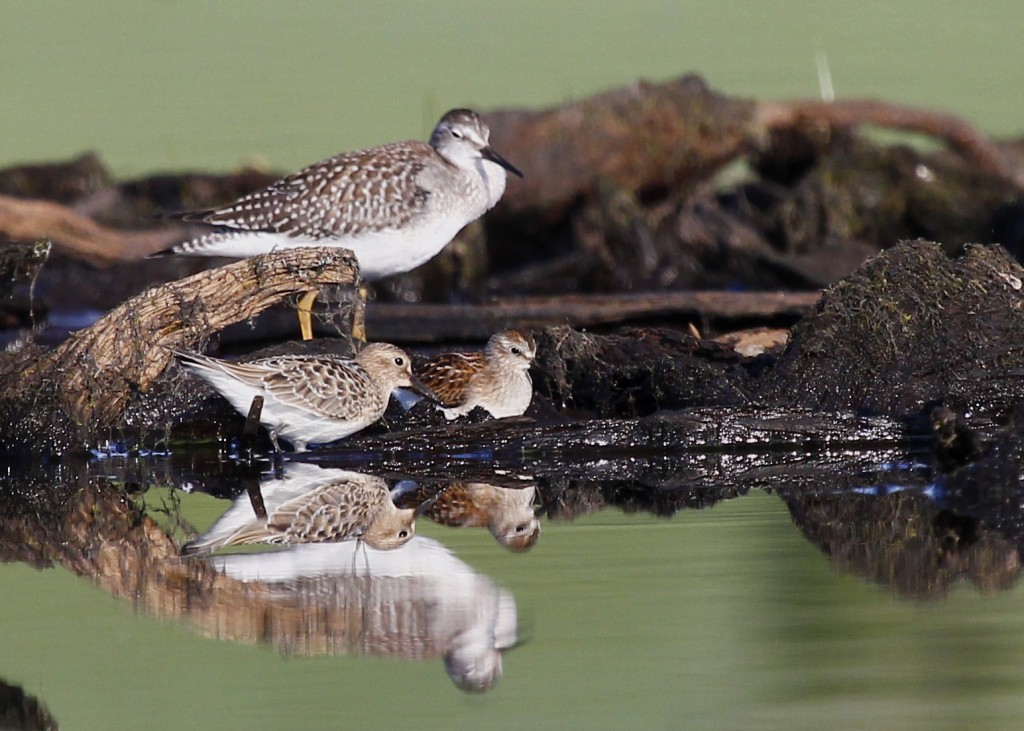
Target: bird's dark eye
<point x="516" y="350"/>
<point x="521" y="528"/>
<point x="403" y="534"/>
<point x="399" y="361"/>
<point x="456" y="134"/>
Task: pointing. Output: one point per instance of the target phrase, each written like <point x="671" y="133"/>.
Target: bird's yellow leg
<point x="305" y="308"/>
<point x="359" y="313"/>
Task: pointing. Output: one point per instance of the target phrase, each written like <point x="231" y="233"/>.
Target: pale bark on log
<point x="96" y="370"/>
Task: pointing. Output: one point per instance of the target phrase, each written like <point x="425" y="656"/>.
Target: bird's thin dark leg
<point x="252" y="426"/>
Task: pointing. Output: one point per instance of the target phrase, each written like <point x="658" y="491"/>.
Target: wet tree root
<point x="957" y="133"/>
<point x="651" y="136"/>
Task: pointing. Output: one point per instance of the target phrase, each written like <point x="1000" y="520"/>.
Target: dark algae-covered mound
<point x="910" y="327"/>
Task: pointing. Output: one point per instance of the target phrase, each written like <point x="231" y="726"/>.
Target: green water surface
<point x="719" y="619"/>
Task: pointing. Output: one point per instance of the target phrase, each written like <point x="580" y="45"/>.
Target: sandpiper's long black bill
<point x="494" y="157"/>
<point x="535" y="366"/>
<point x="429" y="502"/>
<point x="424" y="390"/>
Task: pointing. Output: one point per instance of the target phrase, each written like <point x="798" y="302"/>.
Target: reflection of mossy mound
<point x="905" y="542"/>
<point x="989" y="486"/>
<point x="909" y="327"/>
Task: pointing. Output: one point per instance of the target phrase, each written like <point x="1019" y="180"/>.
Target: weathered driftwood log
<point x="91" y="376"/>
<point x="642" y="138"/>
<point x="439" y="323"/>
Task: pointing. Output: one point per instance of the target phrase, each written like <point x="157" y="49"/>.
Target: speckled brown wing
<point x="448" y="375"/>
<point x="335" y="388"/>
<point x="457" y="507"/>
<point x="454" y="505"/>
<point x="346" y="195"/>
<point x="337" y="511"/>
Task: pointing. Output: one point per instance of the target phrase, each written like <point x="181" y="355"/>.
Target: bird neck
<point x="494" y="179"/>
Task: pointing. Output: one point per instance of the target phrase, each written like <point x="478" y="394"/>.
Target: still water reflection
<point x="303" y="503"/>
<point x="354" y="578"/>
<point x="620" y="609"/>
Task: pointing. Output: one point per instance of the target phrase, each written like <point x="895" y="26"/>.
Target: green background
<point x="182" y="84"/>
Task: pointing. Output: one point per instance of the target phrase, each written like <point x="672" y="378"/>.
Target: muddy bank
<point x="912" y="328"/>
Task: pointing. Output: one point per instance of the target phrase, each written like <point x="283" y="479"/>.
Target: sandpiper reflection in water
<point x="309" y="504"/>
<point x="417" y="601"/>
<point x="508" y="513"/>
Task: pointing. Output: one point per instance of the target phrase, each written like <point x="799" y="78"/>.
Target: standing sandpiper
<point x="497" y="379"/>
<point x="311" y="398"/>
<point x="395" y="206"/>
